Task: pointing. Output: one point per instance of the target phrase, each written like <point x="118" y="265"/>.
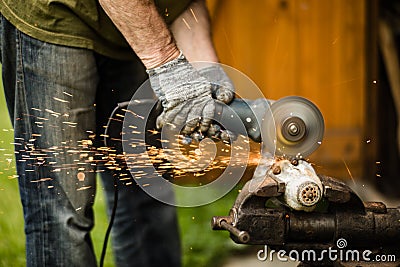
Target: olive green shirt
<point x="77" y="23"/>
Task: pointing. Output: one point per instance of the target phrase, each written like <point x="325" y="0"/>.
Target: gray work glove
<point x="222" y="87"/>
<point x="185" y="95"/>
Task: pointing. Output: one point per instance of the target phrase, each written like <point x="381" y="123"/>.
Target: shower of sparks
<point x="84" y="157"/>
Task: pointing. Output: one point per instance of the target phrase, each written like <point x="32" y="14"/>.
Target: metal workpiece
<point x="303" y="188"/>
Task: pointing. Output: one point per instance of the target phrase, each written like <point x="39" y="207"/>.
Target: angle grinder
<point x="292" y="126"/>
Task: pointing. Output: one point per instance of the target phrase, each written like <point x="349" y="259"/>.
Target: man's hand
<point x="185" y="95"/>
<point x="222" y="86"/>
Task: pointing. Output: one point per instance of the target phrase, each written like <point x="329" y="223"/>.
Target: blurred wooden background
<point x="311" y="48"/>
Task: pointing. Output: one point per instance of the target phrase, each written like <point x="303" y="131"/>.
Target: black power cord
<point x="115" y="177"/>
<point x="110" y="224"/>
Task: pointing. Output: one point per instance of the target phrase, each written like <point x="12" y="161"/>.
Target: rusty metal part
<point x="303" y="188"/>
<point x="276" y="170"/>
<point x="225" y="222"/>
<point x="309" y="194"/>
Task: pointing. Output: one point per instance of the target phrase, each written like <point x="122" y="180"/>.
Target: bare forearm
<point x="192" y="33"/>
<point x="144" y="29"/>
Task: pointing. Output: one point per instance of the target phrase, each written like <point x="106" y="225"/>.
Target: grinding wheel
<point x="295" y="129"/>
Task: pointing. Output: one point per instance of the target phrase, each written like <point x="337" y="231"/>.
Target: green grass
<point x="11" y="223"/>
<point x="200" y="245"/>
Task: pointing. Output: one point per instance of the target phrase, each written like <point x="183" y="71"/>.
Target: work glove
<point x="223" y="90"/>
<point x="221" y="86"/>
<point x="184" y="94"/>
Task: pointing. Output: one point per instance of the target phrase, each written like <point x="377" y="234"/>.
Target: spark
<point x="72" y="124"/>
<point x="133" y="113"/>
<point x="348" y="170"/>
<point x="194" y="15"/>
<point x="83" y="188"/>
<point x="60" y="100"/>
<point x="152" y="131"/>
<point x="68" y="94"/>
<point x="42" y="180"/>
<point x="81" y="176"/>
<point x="187" y="25"/>
<point x="40" y="118"/>
<point x="56" y="114"/>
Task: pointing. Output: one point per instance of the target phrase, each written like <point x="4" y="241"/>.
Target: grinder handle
<point x="250" y="113"/>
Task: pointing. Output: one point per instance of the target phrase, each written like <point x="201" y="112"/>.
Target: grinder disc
<point x="295" y="129"/>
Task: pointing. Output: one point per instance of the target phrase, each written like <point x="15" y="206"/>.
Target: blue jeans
<point x="59" y="98"/>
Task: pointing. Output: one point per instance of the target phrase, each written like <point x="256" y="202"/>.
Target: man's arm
<point x="184" y="92"/>
<point x="192" y="32"/>
<point x="144" y="29"/>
